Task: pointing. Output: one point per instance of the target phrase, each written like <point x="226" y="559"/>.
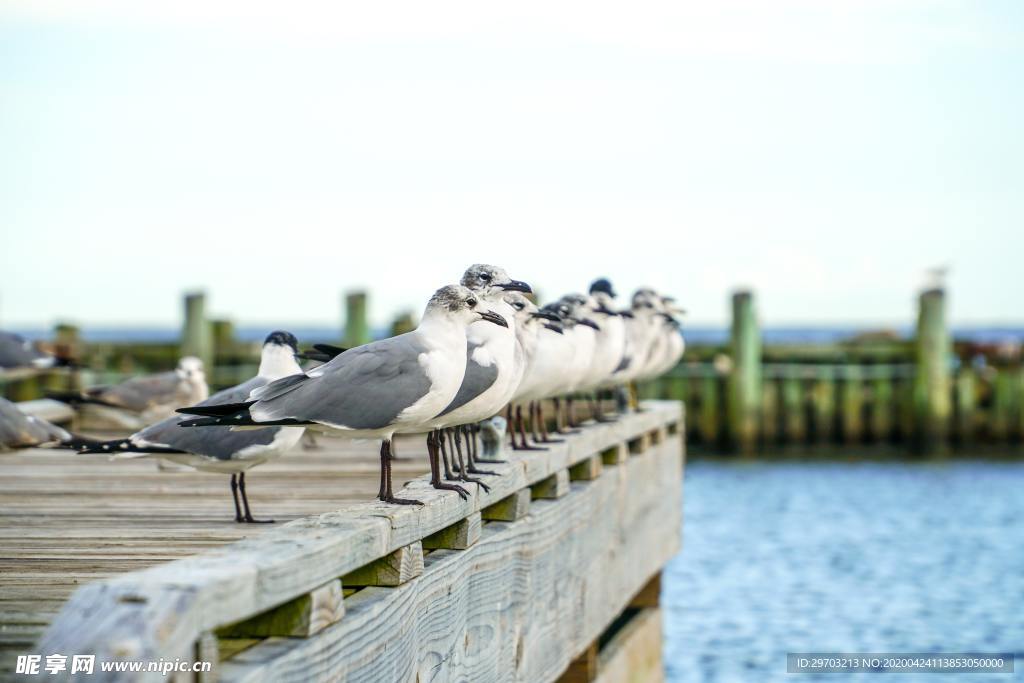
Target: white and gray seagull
<point x="221" y="450"/>
<point x="494" y="365"/>
<point x="395" y="385"/>
<point x="152" y="397"/>
<point x="18" y="352"/>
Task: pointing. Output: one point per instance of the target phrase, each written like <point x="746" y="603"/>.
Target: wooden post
<point x="197" y="337"/>
<point x="223" y="332"/>
<point x="932" y="390"/>
<point x="853" y="405"/>
<point x="404" y="322"/>
<point x="966" y="405"/>
<point x="1002" y="405"/>
<point x="357" y="329"/>
<point x="744" y="387"/>
<point x="882" y="407"/>
<point x="793" y="409"/>
<point x="708" y="415"/>
<point x="770" y="411"/>
<point x="824" y="398"/>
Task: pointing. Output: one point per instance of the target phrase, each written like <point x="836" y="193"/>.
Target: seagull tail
<point x="321" y="352"/>
<point x="74" y="398"/>
<point x="121" y="446"/>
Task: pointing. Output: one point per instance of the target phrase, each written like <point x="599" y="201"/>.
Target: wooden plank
<point x="458" y="536"/>
<point x="555" y="486"/>
<point x="615" y="455"/>
<point x="586" y="470"/>
<point x="633" y="655"/>
<point x="649" y="595"/>
<point x="520" y="604"/>
<point x="298" y="618"/>
<point x="509" y="509"/>
<point x="583" y="669"/>
<point x="161" y="611"/>
<point x="394" y="569"/>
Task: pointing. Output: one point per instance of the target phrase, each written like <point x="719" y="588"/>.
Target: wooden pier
<point x="552" y="575"/>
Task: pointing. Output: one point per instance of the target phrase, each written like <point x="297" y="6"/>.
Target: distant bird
<point x="494" y="363"/>
<point x="18" y="352"/>
<point x="395" y="385"/>
<point x="18" y="430"/>
<point x="221" y="449"/>
<point x="532" y="328"/>
<point x="152" y="397"/>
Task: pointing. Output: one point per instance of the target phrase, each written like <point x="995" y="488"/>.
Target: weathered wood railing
<point x="523" y="578"/>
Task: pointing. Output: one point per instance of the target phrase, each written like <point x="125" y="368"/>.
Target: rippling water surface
<point x="844" y="556"/>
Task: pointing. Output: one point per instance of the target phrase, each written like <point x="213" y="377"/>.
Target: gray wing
<point x="140" y="393"/>
<point x="18" y="430"/>
<point x="17" y="352"/>
<point x="363" y="388"/>
<point x="477" y="380"/>
<point x="214" y="442"/>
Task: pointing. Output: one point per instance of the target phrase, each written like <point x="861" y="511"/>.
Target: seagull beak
<point x="605" y="310"/>
<point x="554" y="328"/>
<point x="516" y="286"/>
<point x="546" y="316"/>
<point x="492" y="317"/>
<point x="589" y="323"/>
<point x="627" y="314"/>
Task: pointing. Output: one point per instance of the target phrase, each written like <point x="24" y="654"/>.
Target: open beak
<point x="554" y="328"/>
<point x="589" y="323"/>
<point x="492" y="317"/>
<point x="516" y="286"/>
<point x="546" y="316"/>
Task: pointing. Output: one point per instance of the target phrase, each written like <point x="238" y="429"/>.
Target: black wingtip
<point x="220" y="410"/>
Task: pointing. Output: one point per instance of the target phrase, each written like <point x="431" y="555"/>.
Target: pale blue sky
<point x="825" y="153"/>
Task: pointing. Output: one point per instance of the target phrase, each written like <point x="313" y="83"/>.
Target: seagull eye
<point x="485" y="276"/>
<point x="471" y="302"/>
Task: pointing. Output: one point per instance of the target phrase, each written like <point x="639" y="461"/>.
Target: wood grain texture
<point x="394" y="569"/>
<point x="519" y="605"/>
<point x="155" y="598"/>
<point x="458" y="536"/>
<point x="298" y="618"/>
<point x="509" y="509"/>
<point x="555" y="486"/>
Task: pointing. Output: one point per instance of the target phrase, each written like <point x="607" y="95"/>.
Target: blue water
<point x="844" y="557"/>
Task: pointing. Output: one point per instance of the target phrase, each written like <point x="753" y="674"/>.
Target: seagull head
<point x="282" y="338"/>
<point x="491" y="281"/>
<point x="190" y="369"/>
<point x="277" y="359"/>
<point x="463" y="304"/>
<point x="580" y="309"/>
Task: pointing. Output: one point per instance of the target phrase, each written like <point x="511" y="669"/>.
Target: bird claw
<point x="479" y="483"/>
<point x="490" y="461"/>
<point x="473" y="470"/>
<point x="463" y="493"/>
<point x="251" y="520"/>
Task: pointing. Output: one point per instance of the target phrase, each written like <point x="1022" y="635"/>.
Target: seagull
<point x="375" y="390"/>
<point x="18" y="430"/>
<point x="673" y="345"/>
<point x="152" y="397"/>
<point x="531" y="334"/>
<point x="494" y="362"/>
<point x="583" y="334"/>
<point x="18" y="352"/>
<point x="221" y="450"/>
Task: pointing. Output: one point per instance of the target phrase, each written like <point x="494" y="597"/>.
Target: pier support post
<point x="932" y="387"/>
<point x="196" y="336"/>
<point x="744" y="386"/>
<point x="357" y="329"/>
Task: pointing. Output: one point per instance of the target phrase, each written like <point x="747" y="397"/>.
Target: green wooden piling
<point x="223" y="332"/>
<point x="709" y="409"/>
<point x="357" y="328"/>
<point x="743" y="391"/>
<point x="932" y="383"/>
<point x="966" y="405"/>
<point x="196" y="335"/>
<point x="852" y="413"/>
<point x="403" y="322"/>
<point x="1002" y="405"/>
<point x="793" y="416"/>
<point x="823" y="399"/>
<point x="770" y="411"/>
<point x="882" y="407"/>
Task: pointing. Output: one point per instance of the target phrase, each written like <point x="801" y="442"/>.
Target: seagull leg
<point x="544" y="425"/>
<point x="454" y="434"/>
<point x="234" y="494"/>
<point x="524" y="444"/>
<point x="385" y="460"/>
<point x="595" y="409"/>
<point x="448" y="474"/>
<point x="433" y="449"/>
<point x="471" y="467"/>
<point x="245" y="503"/>
<point x="309" y="442"/>
<point x="509" y="420"/>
